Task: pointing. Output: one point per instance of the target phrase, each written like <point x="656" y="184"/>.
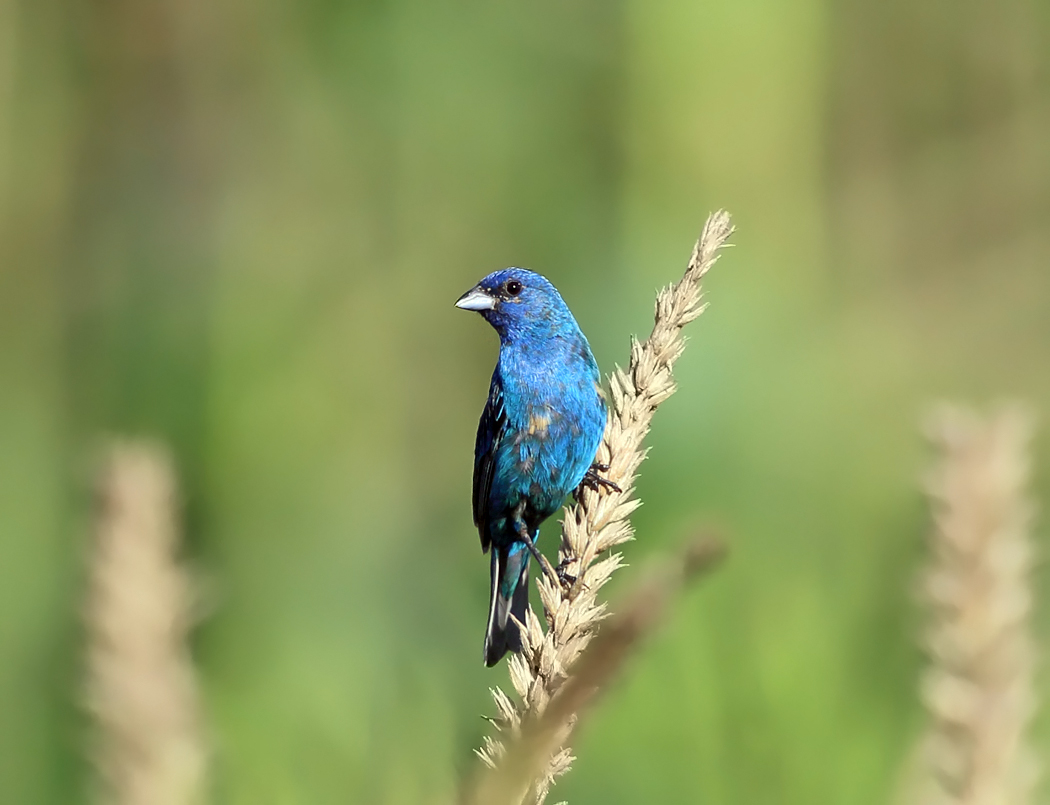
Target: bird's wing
<point x="491" y="429"/>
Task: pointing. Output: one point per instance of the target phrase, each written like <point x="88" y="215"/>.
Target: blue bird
<point x="537" y="437"/>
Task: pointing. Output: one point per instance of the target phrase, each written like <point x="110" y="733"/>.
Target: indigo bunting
<point x="537" y="437"/>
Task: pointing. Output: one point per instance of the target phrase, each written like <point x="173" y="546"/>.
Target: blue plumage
<point x="538" y="434"/>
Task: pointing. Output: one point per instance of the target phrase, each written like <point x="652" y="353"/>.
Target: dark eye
<point x="514" y="287"/>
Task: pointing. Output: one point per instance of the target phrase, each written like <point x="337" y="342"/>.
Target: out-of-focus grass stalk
<point x="148" y="745"/>
<point x="978" y="689"/>
<point x="597" y="522"/>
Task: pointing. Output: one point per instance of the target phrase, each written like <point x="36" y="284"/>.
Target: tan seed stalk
<point x="597" y="523"/>
<point x="528" y="756"/>
<point x="148" y="746"/>
<point x="978" y="688"/>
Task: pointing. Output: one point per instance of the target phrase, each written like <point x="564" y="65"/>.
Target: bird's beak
<point x="477" y="298"/>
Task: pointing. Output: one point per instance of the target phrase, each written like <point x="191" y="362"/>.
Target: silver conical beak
<point x="476" y="299"/>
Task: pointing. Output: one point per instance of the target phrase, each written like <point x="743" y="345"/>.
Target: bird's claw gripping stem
<point x="592" y="480"/>
<point x="564" y="576"/>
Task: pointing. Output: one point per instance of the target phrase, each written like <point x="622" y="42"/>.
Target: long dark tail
<point x="509" y="596"/>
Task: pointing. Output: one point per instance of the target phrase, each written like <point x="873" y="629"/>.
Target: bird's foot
<point x="592" y="480"/>
<point x="564" y="576"/>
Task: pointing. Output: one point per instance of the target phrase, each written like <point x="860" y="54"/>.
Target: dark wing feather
<point x="491" y="428"/>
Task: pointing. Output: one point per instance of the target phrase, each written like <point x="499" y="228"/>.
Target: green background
<point x="241" y="226"/>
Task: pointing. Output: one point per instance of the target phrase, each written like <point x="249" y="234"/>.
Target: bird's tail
<point x="509" y="596"/>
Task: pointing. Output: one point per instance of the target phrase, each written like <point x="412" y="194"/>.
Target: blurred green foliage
<point x="241" y="227"/>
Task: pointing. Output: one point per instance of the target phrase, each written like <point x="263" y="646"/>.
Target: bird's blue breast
<point x="555" y="417"/>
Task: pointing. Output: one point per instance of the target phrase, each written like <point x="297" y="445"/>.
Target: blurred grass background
<point x="241" y="227"/>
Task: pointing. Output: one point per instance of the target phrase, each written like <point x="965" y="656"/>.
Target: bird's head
<point x="518" y="302"/>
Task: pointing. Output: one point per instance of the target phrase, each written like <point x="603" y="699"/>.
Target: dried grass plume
<point x="148" y="746"/>
<point x="978" y="688"/>
<point x="541" y="737"/>
<point x="597" y="523"/>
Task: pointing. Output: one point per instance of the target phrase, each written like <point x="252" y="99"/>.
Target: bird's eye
<point x="514" y="287"/>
